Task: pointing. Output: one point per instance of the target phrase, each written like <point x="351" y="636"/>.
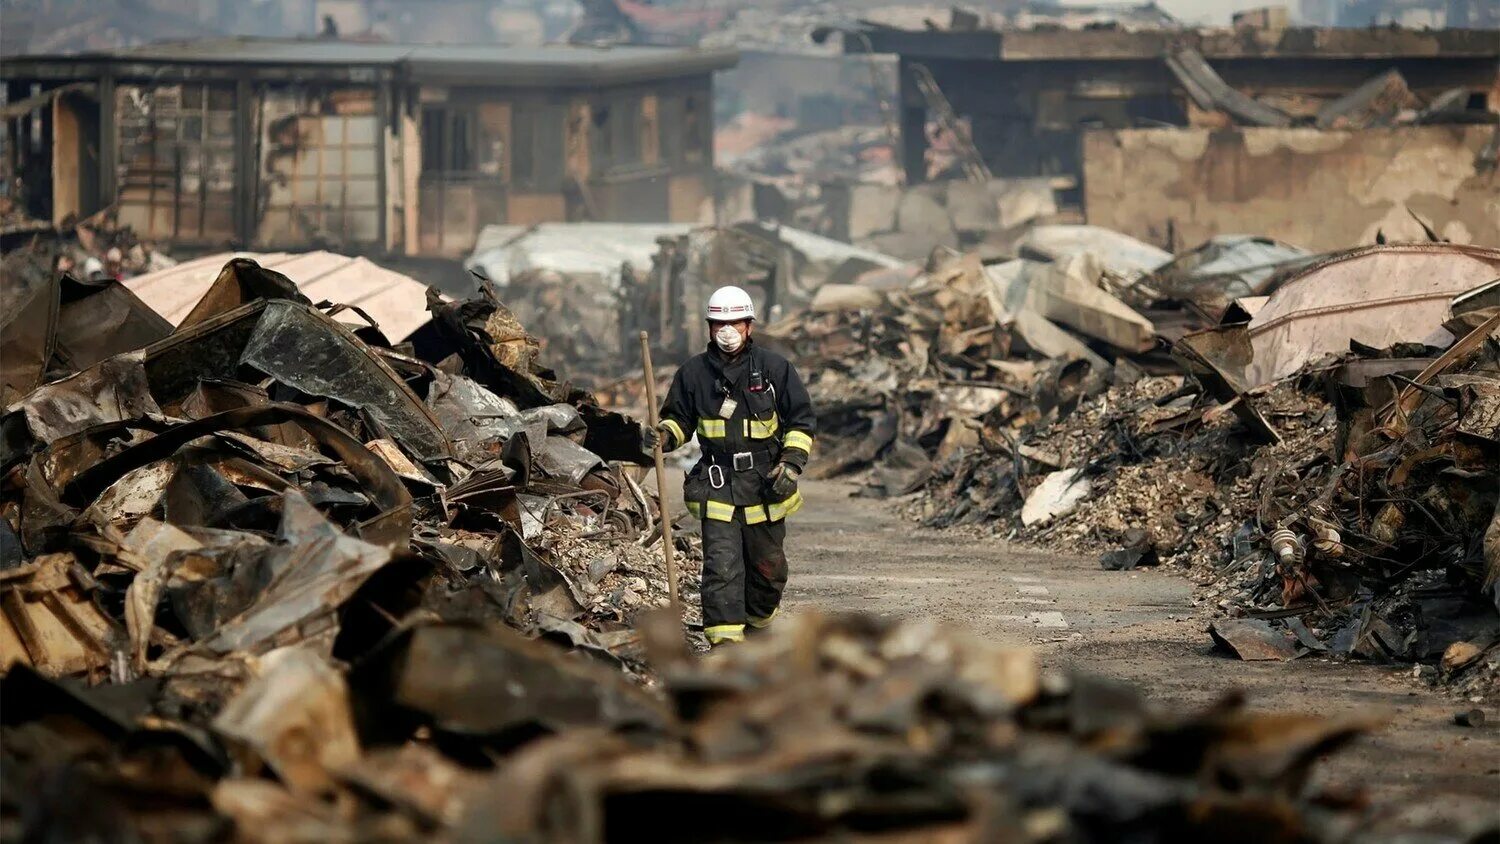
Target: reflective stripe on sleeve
<point x="712" y="428"/>
<point x="798" y="439"/>
<point x="781" y="509"/>
<point x="695" y="509"/>
<point x="678" y="437"/>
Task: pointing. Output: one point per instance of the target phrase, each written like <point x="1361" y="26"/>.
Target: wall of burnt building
<point x="1316" y="188"/>
<point x="635" y="153"/>
<point x="389" y="166"/>
<point x="1027" y="118"/>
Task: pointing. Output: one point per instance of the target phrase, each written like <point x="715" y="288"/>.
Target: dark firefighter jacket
<point x="769" y="419"/>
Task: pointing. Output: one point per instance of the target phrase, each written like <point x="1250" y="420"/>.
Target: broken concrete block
<point x="1019" y="201"/>
<point x="972" y="207"/>
<point x="920" y="214"/>
<point x="845" y="297"/>
<point x="907" y="246"/>
<point x="1059" y="494"/>
<point x="872" y="209"/>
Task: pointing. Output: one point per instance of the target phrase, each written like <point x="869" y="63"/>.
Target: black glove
<point x="652" y="437"/>
<point x="783" y="480"/>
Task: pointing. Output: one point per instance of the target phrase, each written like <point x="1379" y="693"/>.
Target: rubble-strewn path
<point x="852" y="553"/>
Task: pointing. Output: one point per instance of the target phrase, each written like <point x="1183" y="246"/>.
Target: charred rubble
<point x="268" y="575"/>
<point x="1330" y="496"/>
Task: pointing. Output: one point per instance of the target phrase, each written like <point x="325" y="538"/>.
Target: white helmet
<point x="730" y="304"/>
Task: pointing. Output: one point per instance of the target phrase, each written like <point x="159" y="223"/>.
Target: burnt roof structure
<point x="1028" y="94"/>
<point x="1116" y="44"/>
<point x="306" y="59"/>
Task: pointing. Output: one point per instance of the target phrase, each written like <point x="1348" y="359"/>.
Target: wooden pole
<point x="661" y="474"/>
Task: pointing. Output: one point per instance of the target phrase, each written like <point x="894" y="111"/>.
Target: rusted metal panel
<point x="396" y="302"/>
<point x="1377" y="295"/>
<point x="576" y="141"/>
<point x="48" y="621"/>
<point x="65" y="162"/>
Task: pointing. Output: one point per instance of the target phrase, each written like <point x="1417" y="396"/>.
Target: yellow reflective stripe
<point x="711" y="428"/>
<point x="725" y="633"/>
<point x="755" y="514"/>
<point x="695" y="508"/>
<point x="798" y="439"/>
<point x="678" y="437"/>
<point x="781" y="509"/>
<point x="763" y="623"/>
<point x="762" y="430"/>
<point x="720" y="512"/>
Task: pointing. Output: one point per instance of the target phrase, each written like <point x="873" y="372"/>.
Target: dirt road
<point x="851" y="553"/>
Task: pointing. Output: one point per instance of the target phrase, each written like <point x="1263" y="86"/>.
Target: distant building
<point x="1029" y="95"/>
<point x="1314" y="136"/>
<point x="372" y="147"/>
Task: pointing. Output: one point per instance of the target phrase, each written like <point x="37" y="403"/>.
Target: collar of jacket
<point x="720" y="361"/>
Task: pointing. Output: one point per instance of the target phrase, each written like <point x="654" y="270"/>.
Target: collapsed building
<point x="367" y="147"/>
<point x="1176" y="135"/>
<point x="1311" y="437"/>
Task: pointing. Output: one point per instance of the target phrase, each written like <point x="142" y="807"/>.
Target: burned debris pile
<point x="94" y="249"/>
<point x="183" y="466"/>
<point x="180" y="502"/>
<point x="847" y="726"/>
<point x="268" y="574"/>
<point x="826" y="728"/>
<point x="1324" y="463"/>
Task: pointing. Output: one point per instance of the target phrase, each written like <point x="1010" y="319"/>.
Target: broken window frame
<point x="178" y="146"/>
<point x="450" y="140"/>
<point x="325" y="198"/>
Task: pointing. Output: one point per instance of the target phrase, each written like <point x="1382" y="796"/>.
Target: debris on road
<point x="1469" y="718"/>
<point x="827" y="727"/>
<point x="1335" y="483"/>
<point x="273" y="581"/>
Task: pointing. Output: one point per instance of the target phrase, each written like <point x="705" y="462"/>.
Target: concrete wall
<point x="1315" y="189"/>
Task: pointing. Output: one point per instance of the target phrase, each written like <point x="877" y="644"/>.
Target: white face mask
<point x="728" y="339"/>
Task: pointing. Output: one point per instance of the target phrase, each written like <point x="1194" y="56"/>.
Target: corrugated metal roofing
<point x="397" y="302"/>
<point x="1377" y="295"/>
<point x="505" y="251"/>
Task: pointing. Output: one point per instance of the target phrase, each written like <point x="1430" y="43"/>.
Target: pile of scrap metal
<point x="178" y="503"/>
<point x="1327" y="466"/>
<point x="908" y="367"/>
<point x="826" y="729"/>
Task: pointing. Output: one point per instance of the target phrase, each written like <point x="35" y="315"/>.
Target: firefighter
<point x="754" y="422"/>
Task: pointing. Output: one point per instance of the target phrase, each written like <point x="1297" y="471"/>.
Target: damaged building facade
<point x="1162" y="128"/>
<point x="363" y="147"/>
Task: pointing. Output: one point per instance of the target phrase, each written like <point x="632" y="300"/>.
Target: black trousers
<point x="744" y="571"/>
